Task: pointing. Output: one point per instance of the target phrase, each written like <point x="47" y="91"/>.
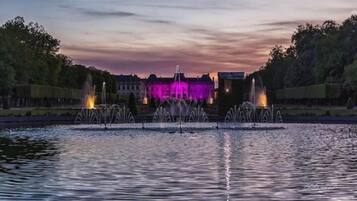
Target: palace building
<point x="130" y="84"/>
<point x="200" y="89"/>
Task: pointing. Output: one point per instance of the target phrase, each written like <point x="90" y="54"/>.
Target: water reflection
<point x="302" y="162"/>
<point x="27" y="166"/>
<point x="17" y="151"/>
<point x="227" y="162"/>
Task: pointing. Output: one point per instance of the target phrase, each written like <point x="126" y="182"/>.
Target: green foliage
<point x="319" y="91"/>
<point x="29" y="55"/>
<point x="132" y="104"/>
<point x="30" y="50"/>
<point x="319" y="54"/>
<point x="41" y="91"/>
<point x="276" y="67"/>
<point x="7" y="77"/>
<point x="351" y="75"/>
<point x="350" y="104"/>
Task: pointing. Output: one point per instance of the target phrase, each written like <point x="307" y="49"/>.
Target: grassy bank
<point x="286" y="111"/>
<point x="318" y="111"/>
<point x="38" y="112"/>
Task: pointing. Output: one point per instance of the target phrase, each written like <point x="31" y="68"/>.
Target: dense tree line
<point x="29" y="55"/>
<point x="325" y="53"/>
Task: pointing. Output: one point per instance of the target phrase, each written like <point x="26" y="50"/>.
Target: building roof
<point x="231" y="75"/>
<point x="203" y="78"/>
<point x="127" y="78"/>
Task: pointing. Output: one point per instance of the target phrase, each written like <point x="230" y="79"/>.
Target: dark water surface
<point x="302" y="162"/>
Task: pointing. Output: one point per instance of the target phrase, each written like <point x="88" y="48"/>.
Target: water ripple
<point x="301" y="162"/>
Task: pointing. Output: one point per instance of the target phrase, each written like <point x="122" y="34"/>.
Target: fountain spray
<point x="105" y="104"/>
<point x="179" y="96"/>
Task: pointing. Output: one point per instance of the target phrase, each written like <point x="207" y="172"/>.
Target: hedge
<point x="42" y="91"/>
<point x="320" y="91"/>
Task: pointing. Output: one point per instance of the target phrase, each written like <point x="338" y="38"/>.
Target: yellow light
<point x="90" y="102"/>
<point x="262" y="100"/>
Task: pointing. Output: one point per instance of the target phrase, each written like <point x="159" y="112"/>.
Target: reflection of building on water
<point x="227" y="163"/>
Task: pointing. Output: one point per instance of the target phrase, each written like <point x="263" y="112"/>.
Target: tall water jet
<point x="104" y="94"/>
<point x="104" y="100"/>
<point x="258" y="95"/>
<point x="252" y="92"/>
<point x="178" y="93"/>
<point x="88" y="94"/>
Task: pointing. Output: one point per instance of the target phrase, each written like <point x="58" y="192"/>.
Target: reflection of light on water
<point x="90" y="102"/>
<point x="227" y="163"/>
<point x="262" y="100"/>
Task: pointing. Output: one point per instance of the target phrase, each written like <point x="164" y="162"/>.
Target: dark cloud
<point x="164" y="22"/>
<point x="96" y="13"/>
<point x="99" y="13"/>
<point x="182" y="7"/>
<point x="289" y="24"/>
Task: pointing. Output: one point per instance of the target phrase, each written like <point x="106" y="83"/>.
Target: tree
<point x="351" y="75"/>
<point x="318" y="54"/>
<point x="304" y="41"/>
<point x="132" y="104"/>
<point x="275" y="69"/>
<point x="30" y="50"/>
<point x="7" y="81"/>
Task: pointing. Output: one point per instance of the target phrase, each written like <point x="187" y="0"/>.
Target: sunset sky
<point x="152" y="36"/>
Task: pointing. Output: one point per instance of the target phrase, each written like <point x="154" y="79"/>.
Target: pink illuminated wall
<point x="197" y="91"/>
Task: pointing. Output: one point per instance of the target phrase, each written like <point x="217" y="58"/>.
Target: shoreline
<point x="40" y="121"/>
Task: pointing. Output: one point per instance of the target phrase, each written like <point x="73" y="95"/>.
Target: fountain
<point x="103" y="113"/>
<point x="256" y="110"/>
<point x="177" y="108"/>
<point x="178" y="112"/>
<point x="88" y="93"/>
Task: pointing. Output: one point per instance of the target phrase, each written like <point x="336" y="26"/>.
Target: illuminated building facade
<point x="200" y="89"/>
<point x="127" y="84"/>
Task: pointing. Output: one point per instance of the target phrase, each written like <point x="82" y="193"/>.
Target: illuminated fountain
<point x="103" y="113"/>
<point x="256" y="110"/>
<point x="177" y="112"/>
<point x="87" y="114"/>
<point x="88" y="94"/>
<point x="177" y="108"/>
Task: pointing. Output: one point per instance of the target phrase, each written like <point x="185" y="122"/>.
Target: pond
<point x="300" y="162"/>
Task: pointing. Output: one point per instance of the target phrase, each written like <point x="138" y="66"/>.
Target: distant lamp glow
<point x="145" y="100"/>
<point x="210" y="101"/>
<point x="227" y="90"/>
